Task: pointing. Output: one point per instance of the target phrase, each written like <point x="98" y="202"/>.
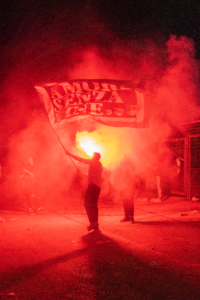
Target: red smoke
<point x="168" y="73"/>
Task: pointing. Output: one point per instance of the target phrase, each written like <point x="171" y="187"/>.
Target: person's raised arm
<point x="83" y="160"/>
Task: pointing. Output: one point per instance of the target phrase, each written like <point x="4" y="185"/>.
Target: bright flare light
<point x="107" y="145"/>
<point x="89" y="142"/>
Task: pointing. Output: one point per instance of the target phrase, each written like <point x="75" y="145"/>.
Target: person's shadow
<point x="103" y="269"/>
<point x="118" y="273"/>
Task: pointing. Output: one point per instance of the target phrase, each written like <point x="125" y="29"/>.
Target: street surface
<point x="51" y="255"/>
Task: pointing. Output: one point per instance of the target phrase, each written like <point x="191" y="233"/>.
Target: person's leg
<point x="158" y="185"/>
<point x="39" y="197"/>
<point x="126" y="210"/>
<point x="32" y="196"/>
<point x="91" y="204"/>
<point x="131" y="209"/>
<point x="136" y="194"/>
<point x="28" y="193"/>
<point x="87" y="202"/>
<point x="95" y="212"/>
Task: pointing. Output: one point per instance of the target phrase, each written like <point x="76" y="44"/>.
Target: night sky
<point x="33" y="30"/>
<point x="45" y="33"/>
<point x="128" y="19"/>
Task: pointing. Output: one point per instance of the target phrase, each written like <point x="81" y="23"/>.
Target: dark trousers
<point x="91" y="202"/>
<point x="29" y="192"/>
<point x="128" y="208"/>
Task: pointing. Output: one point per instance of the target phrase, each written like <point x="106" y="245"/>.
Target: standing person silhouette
<point x="93" y="189"/>
<point x="127" y="188"/>
<point x="28" y="177"/>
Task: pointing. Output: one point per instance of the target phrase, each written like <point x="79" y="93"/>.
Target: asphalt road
<point x="51" y="255"/>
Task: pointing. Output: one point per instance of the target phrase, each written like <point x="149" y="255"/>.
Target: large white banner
<point x="110" y="102"/>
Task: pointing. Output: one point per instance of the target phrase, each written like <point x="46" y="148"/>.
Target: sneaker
<point x="132" y="220"/>
<point x="92" y="226"/>
<point x="125" y="220"/>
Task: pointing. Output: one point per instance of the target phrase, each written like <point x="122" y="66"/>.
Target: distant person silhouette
<point x="28" y="178"/>
<point x="127" y="188"/>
